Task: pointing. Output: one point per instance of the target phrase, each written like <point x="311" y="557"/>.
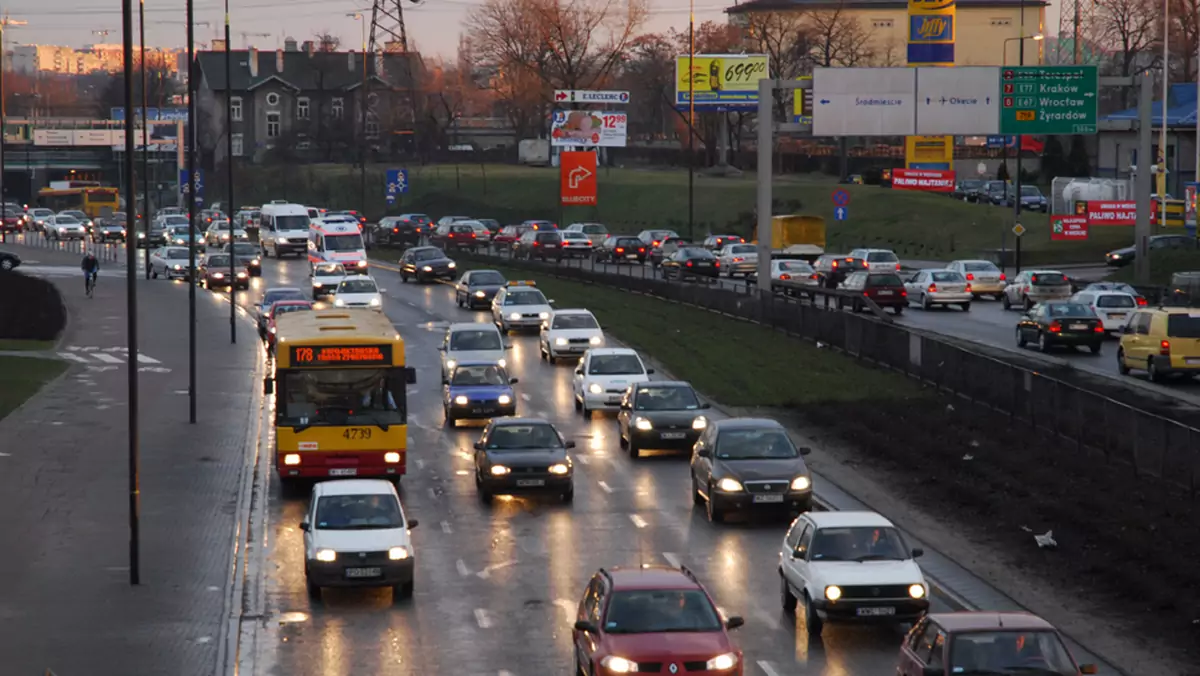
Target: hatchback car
<point x="326" y="277"/>
<point x="739" y="259"/>
<point x="478" y="390"/>
<point x="458" y="235"/>
<point x="477" y="288"/>
<point x="878" y="260"/>
<point x="744" y="464"/>
<point x="1114" y="308"/>
<point x="691" y="262"/>
<point x="523" y="455"/>
<point x="569" y="333"/>
<point x="108" y="231"/>
<point x="654" y="237"/>
<point x="65" y="227"/>
<point x="520" y="305"/>
<point x="425" y="263"/>
<point x="214" y="272"/>
<point x="474" y="342"/>
<point x="359" y="291"/>
<point x="665" y="248"/>
<point x="835" y="268"/>
<point x="1060" y="323"/>
<point x="884" y="288"/>
<point x="945" y="644"/>
<point x="1035" y="286"/>
<point x="660" y="415"/>
<point x="621" y="249"/>
<point x="718" y="242"/>
<point x="170" y="262"/>
<point x="602" y="377"/>
<point x="539" y="244"/>
<point x="247" y="252"/>
<point x="576" y="244"/>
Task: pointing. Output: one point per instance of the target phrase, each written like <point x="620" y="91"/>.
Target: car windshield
<point x="743" y="249"/>
<point x="479" y="375"/>
<point x="329" y="270"/>
<point x="177" y="254"/>
<point x="790" y="266"/>
<point x="523" y="438"/>
<point x="980" y="267"/>
<point x="276" y="295"/>
<point x="575" y="321"/>
<point x="291" y="222"/>
<point x="575" y="235"/>
<point x="1049" y="279"/>
<point x="882" y="257"/>
<point x="358" y="512"/>
<point x="666" y="398"/>
<point x="654" y="611"/>
<point x="630" y="242"/>
<point x="883" y="280"/>
<point x="489" y="223"/>
<point x="217" y="261"/>
<point x="946" y="276"/>
<point x="751" y="444"/>
<point x="66" y="220"/>
<point x="352" y="242"/>
<point x="221" y="225"/>
<point x="358" y="286"/>
<point x="340" y="397"/>
<point x="525" y="297"/>
<point x="284" y="309"/>
<point x="615" y="364"/>
<point x="428" y="255"/>
<point x="1115" y="300"/>
<point x="73" y="214"/>
<point x="857" y="543"/>
<point x="245" y="250"/>
<point x="1183" y="326"/>
<point x="696" y="252"/>
<point x="1069" y="310"/>
<point x="486" y="279"/>
<point x="1030" y="191"/>
<point x="1010" y="652"/>
<point x="473" y="339"/>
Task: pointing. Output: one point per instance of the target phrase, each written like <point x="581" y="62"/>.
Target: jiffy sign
<point x="931" y="180"/>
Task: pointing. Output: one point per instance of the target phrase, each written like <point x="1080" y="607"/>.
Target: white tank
<point x="1086" y="190"/>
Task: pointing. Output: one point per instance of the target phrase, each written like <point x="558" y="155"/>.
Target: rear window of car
<point x="1115" y="301"/>
<point x="630" y="241"/>
<point x="947" y="277"/>
<point x="1050" y="279"/>
<point x="882" y="257"/>
<point x="1183" y="326"/>
<point x="883" y="280"/>
<point x="980" y="267"/>
<point x="548" y="237"/>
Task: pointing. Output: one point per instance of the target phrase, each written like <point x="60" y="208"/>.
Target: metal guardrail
<point x="1153" y="446"/>
<point x="105" y="251"/>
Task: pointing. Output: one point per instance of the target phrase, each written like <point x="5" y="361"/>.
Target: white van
<point x="331" y="241"/>
<point x="283" y="229"/>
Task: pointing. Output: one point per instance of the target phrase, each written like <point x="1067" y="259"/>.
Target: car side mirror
<point x="586" y="627"/>
<point x="735" y="622"/>
<point x="305" y="526"/>
<point x="805" y="450"/>
<point x="1127" y="329"/>
<point x="513" y="381"/>
<point x="441" y="348"/>
<point x="551" y="301"/>
<point x="268" y="386"/>
<point x="508" y="346"/>
<point x="649" y="372"/>
<point x="478" y="445"/>
<point x="569" y="444"/>
<point x="797" y="554"/>
<point x="703" y="452"/>
<point x="413" y="523"/>
<point x="918" y="553"/>
<point x="1088" y="669"/>
<point x="705" y="405"/>
<point x="383" y="291"/>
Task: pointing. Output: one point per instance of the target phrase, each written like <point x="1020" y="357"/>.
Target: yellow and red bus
<point x="89" y="197"/>
<point x="341" y="408"/>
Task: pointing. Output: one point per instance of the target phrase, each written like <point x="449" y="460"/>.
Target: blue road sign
<point x="185" y="185"/>
<point x="841" y="198"/>
<point x="840" y="213"/>
<point x="1000" y="141"/>
<point x="396" y="184"/>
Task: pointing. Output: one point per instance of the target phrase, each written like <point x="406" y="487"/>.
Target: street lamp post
<point x="131" y="301"/>
<point x="362" y="168"/>
<point x="229" y="178"/>
<point x="145" y="143"/>
<point x="1019" y="137"/>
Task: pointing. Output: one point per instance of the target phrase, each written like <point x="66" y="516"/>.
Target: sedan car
<point x="170" y="262"/>
<point x="660" y="415"/>
<point x="180" y="235"/>
<point x="1036" y="286"/>
<point x="108" y="231"/>
<point x="930" y="288"/>
<point x="738" y="259"/>
<point x="80" y="216"/>
<point x="1118" y="286"/>
<point x="576" y="244"/>
<point x="603" y="376"/>
<point x="569" y="333"/>
<point x="213" y="272"/>
<point x="459" y="235"/>
<point x="269" y="298"/>
<point x="356" y="535"/>
<point x="425" y="263"/>
<point x="520" y="305"/>
<point x="985" y="278"/>
<point x="358" y="291"/>
<point x="1114" y="308"/>
<point x="9" y="260"/>
<point x="743" y="464"/>
<point x="1125" y="255"/>
<point x="472" y="342"/>
<point x="478" y="390"/>
<point x="884" y="288"/>
<point x="792" y="277"/>
<point x="691" y="262"/>
<point x="885" y="585"/>
<point x="38" y="217"/>
<point x="325" y="278"/>
<point x="619" y="249"/>
<point x="946" y="644"/>
<point x="1058" y="323"/>
<point x="248" y="252"/>
<point x="523" y="455"/>
<point x="403" y="230"/>
<point x="61" y="227"/>
<point x="477" y="288"/>
<point x="665" y="248"/>
<point x="283" y="307"/>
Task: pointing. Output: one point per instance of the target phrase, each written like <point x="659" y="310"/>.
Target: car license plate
<point x="703" y="265"/>
<point x="1192" y="360"/>
<point x="631" y="255"/>
<point x="885" y="293"/>
<point x="673" y="435"/>
<point x="364" y="572"/>
<point x="768" y="498"/>
<point x="1079" y="327"/>
<point x="530" y="483"/>
<point x="1117" y="315"/>
<point x="876" y="612"/>
<point x="347" y="471"/>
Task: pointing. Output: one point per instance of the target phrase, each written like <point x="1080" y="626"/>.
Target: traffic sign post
<point x="840" y="213"/>
<point x="1017" y="230"/>
<point x="185" y="185"/>
<point x="589" y="96"/>
<point x="395" y="184"/>
<point x="841" y="198"/>
<point x="1046" y="100"/>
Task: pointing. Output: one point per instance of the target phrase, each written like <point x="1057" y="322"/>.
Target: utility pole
<point x="131" y="301"/>
<point x="145" y="143"/>
<point x="229" y="178"/>
<point x="191" y="205"/>
<point x="362" y="148"/>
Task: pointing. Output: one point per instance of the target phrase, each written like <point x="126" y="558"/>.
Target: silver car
<point x="739" y="259"/>
<point x="1036" y="286"/>
<point x="65" y="227"/>
<point x="985" y="278"/>
<point x="170" y="262"/>
<point x="939" y="287"/>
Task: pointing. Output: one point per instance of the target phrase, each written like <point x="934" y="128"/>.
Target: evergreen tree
<point x="1002" y="172"/>
<point x="1078" y="163"/>
<point x="1054" y="161"/>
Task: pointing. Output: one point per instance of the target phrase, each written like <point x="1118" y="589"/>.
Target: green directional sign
<point x="1048" y="99"/>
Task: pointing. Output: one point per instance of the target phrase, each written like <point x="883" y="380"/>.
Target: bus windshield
<point x="338" y="397"/>
<point x="351" y="242"/>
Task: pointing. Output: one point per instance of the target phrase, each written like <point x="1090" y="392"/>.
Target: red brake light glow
<point x="1164" y="348"/>
<point x="785" y="276"/>
<point x="1055" y="327"/>
<point x="689" y="264"/>
<point x="620" y="249"/>
<point x="932" y="288"/>
<point x="1099" y="328"/>
<point x="970" y="277"/>
<point x="1003" y="277"/>
<point x="968" y="288"/>
<point x="1141" y="301"/>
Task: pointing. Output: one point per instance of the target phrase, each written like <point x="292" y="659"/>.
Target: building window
<point x="372" y="128"/>
<point x="881" y="23"/>
<point x="235" y="106"/>
<point x="1001" y="21"/>
<point x="302" y="108"/>
<point x="237" y="145"/>
<point x="272" y="99"/>
<point x="339" y="107"/>
<point x="304" y="145"/>
<point x="272" y="125"/>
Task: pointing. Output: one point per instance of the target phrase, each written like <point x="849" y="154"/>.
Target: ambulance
<point x="332" y="241"/>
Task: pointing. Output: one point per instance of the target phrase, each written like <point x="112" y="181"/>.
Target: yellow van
<point x="1161" y="342"/>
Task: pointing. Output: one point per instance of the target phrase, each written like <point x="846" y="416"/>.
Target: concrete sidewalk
<point x="68" y="604"/>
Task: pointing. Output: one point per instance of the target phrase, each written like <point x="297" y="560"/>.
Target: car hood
<point x="489" y="289"/>
<point x="853" y="573"/>
<point x="480" y="391"/>
<point x="328" y="280"/>
<point x="525" y="309"/>
<point x="671" y="647"/>
<point x="461" y="356"/>
<point x="677" y="417"/>
<point x="1125" y="251"/>
<point x="373" y="540"/>
<point x="358" y="297"/>
<point x="617" y="380"/>
<point x="436" y="263"/>
<point x="527" y="458"/>
<point x="760" y="469"/>
<point x="574" y="333"/>
<point x="69" y="226"/>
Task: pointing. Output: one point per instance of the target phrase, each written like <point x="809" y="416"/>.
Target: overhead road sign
<point x="864" y="101"/>
<point x="1045" y="100"/>
<point x="185" y="185"/>
<point x="589" y="96"/>
<point x="720" y="81"/>
<point x="962" y="101"/>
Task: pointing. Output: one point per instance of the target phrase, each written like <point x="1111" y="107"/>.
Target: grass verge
<point x="7" y="345"/>
<point x="734" y="362"/>
<point x="22" y="377"/>
<point x="1163" y="264"/>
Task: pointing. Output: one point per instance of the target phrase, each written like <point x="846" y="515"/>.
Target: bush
<point x="30" y="308"/>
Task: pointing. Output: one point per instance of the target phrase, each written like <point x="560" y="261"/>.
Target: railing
<point x="105" y="251"/>
<point x="1153" y="446"/>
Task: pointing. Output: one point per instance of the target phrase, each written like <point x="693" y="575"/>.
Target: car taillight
<point x="897" y="267"/>
<point x="1033" y="279"/>
<point x="589" y="243"/>
<point x="716" y="264"/>
<point x="689" y="264"/>
<point x="785" y="276"/>
<point x="1164" y="348"/>
<point x="1003" y="277"/>
<point x="903" y="292"/>
<point x="620" y="249"/>
<point x="1099" y="328"/>
<point x="970" y="277"/>
<point x="814" y="276"/>
<point x="641" y="249"/>
<point x="1141" y="301"/>
<point x="932" y="288"/>
<point x="968" y="288"/>
<point x="1055" y="327"/>
<point x="835" y="264"/>
<point x="738" y="260"/>
<point x="472" y="235"/>
<point x="451" y="235"/>
<point x="398" y="230"/>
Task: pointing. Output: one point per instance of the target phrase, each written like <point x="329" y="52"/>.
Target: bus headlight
<point x="291" y="459"/>
<point x="391" y="457"/>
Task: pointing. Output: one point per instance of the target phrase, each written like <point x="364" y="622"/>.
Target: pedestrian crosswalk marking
<point x="107" y="358"/>
<point x="92" y="355"/>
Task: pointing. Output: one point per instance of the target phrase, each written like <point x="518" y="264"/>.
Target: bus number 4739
<point x="357" y="433"/>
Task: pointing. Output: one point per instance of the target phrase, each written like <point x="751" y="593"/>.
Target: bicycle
<point x="90" y="284"/>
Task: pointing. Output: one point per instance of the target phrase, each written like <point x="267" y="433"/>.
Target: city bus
<point x="89" y="197"/>
<point x="339" y="390"/>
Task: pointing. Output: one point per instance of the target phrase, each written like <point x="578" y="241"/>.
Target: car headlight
<point x="398" y="553"/>
<point x="281" y="240"/>
<point x="316" y="285"/>
<point x="122" y="232"/>
<point x="339" y="302"/>
<point x="595" y="340"/>
<point x="643" y="424"/>
<point x="451" y="265"/>
<point x="560" y="341"/>
<point x="722" y="662"/>
<point x="460" y="400"/>
<point x="141" y="235"/>
<point x="361" y="264"/>
<point x="917" y="591"/>
<point x="559" y="468"/>
<point x="480" y="294"/>
<point x="595" y="388"/>
<point x="241" y="275"/>
<point x="699" y="423"/>
<point x="729" y="485"/>
<point x="326" y="555"/>
<point x="801" y="483"/>
<point x="619" y="665"/>
<point x="427" y="268"/>
<point x="450" y="364"/>
<point x="833" y="592"/>
<point x="515" y="316"/>
<point x="500" y="470"/>
<point x="502" y="363"/>
<point x="218" y="275"/>
<point x="504" y="400"/>
<point x="543" y="315"/>
<point x="255" y="261"/>
<point x="178" y="267"/>
<point x="374" y="302"/>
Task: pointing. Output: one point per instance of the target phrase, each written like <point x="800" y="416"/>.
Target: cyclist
<point x="91" y="267"/>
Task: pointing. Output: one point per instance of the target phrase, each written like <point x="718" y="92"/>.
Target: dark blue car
<point x="478" y="390"/>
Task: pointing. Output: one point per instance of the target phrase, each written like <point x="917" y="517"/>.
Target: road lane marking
<point x="72" y="357"/>
<point x="637" y="520"/>
<point x="583" y="459"/>
<point x="147" y="360"/>
<point x="432" y="493"/>
<point x="672" y="558"/>
<point x="462" y="567"/>
<point x="446" y="528"/>
<point x="767" y="668"/>
<point x="567" y="606"/>
<point x="101" y="356"/>
<point x="482" y="618"/>
<point x="606" y="487"/>
<point x="525" y="396"/>
<point x="420" y="464"/>
<point x="487" y="572"/>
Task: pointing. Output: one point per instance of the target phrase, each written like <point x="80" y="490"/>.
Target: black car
<point x="403" y="230"/>
<point x="1060" y="323"/>
<point x="247" y="252"/>
<point x="994" y="193"/>
<point x="157" y="237"/>
<point x="214" y="273"/>
<point x="665" y="248"/>
<point x="523" y="455"/>
<point x="539" y="244"/>
<point x="1124" y="256"/>
<point x="749" y="464"/>
<point x="455" y="236"/>
<point x="833" y="269"/>
<point x="621" y="249"/>
<point x="477" y="288"/>
<point x="666" y="415"/>
<point x="425" y="263"/>
<point x="968" y="191"/>
<point x="691" y="262"/>
<point x="9" y="260"/>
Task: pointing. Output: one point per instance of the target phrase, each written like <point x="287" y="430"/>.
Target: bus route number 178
<point x="353" y="433"/>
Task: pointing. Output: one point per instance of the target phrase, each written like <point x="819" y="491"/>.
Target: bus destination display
<point x="349" y="355"/>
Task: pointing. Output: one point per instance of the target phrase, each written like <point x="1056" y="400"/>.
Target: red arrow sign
<point x="560" y="96"/>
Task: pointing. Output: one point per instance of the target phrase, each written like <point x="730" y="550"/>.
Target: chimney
<point x="289" y="44"/>
<point x="350" y="60"/>
<point x="279" y="61"/>
<point x="308" y="47"/>
<point x="252" y="58"/>
<point x="218" y="45"/>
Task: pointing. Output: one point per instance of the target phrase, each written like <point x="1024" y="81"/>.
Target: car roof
<point x="848" y="519"/>
<point x="611" y="350"/>
<point x="504" y="422"/>
<point x="745" y="423"/>
<point x="985" y="621"/>
<point x="663" y="383"/>
<point x="355" y="487"/>
<point x="573" y="311"/>
<point x="650" y="576"/>
<point x="472" y="326"/>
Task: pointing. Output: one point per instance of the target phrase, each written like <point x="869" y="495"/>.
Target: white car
<point x="38" y="216"/>
<point x="472" y="342"/>
<point x="569" y="333"/>
<point x="65" y="227"/>
<point x="850" y="567"/>
<point x="739" y="259"/>
<point x="602" y="377"/>
<point x="170" y="262"/>
<point x="358" y="292"/>
<point x="576" y="244"/>
<point x="878" y="260"/>
<point x="218" y="234"/>
<point x="1114" y="308"/>
<point x="519" y="305"/>
<point x="325" y="279"/>
<point x="939" y="287"/>
<point x="356" y="535"/>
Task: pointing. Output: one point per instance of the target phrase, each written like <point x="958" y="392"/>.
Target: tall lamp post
<point x="190" y="195"/>
<point x="229" y="178"/>
<point x="145" y="142"/>
<point x="1019" y="138"/>
<point x="362" y="168"/>
<point x="692" y="120"/>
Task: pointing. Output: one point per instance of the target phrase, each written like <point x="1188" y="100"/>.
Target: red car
<point x="13" y="219"/>
<point x="282" y="307"/>
<point x="654" y="619"/>
<point x="510" y="234"/>
<point x="944" y="644"/>
<point x="885" y="288"/>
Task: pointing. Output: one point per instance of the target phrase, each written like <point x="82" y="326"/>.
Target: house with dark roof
<point x="305" y="103"/>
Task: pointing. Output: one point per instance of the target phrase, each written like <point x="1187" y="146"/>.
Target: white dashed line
<point x="637" y="520"/>
<point x="420" y="464"/>
<point x="432" y="493"/>
<point x="767" y="668"/>
<point x="482" y="618"/>
<point x="672" y="558"/>
<point x="72" y="357"/>
<point x="446" y="528"/>
<point x="604" y="485"/>
<point x="100" y="356"/>
<point x="583" y="459"/>
<point x="525" y="397"/>
<point x="462" y="567"/>
<point x="567" y="606"/>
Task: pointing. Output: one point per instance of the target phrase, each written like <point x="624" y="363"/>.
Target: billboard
<point x="720" y="81"/>
<point x="78" y="137"/>
<point x="929" y="152"/>
<point x="595" y="128"/>
<point x="577" y="178"/>
<point x="1068" y="228"/>
<point x="931" y="32"/>
<point x="930" y="180"/>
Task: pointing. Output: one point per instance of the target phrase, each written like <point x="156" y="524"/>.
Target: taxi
<point x="478" y="390"/>
<point x="520" y="305"/>
<point x="1161" y="342"/>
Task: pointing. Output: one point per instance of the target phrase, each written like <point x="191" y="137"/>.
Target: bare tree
<point x="1185" y="31"/>
<point x="836" y="37"/>
<point x="326" y="41"/>
<point x="1128" y="29"/>
<point x="648" y="72"/>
